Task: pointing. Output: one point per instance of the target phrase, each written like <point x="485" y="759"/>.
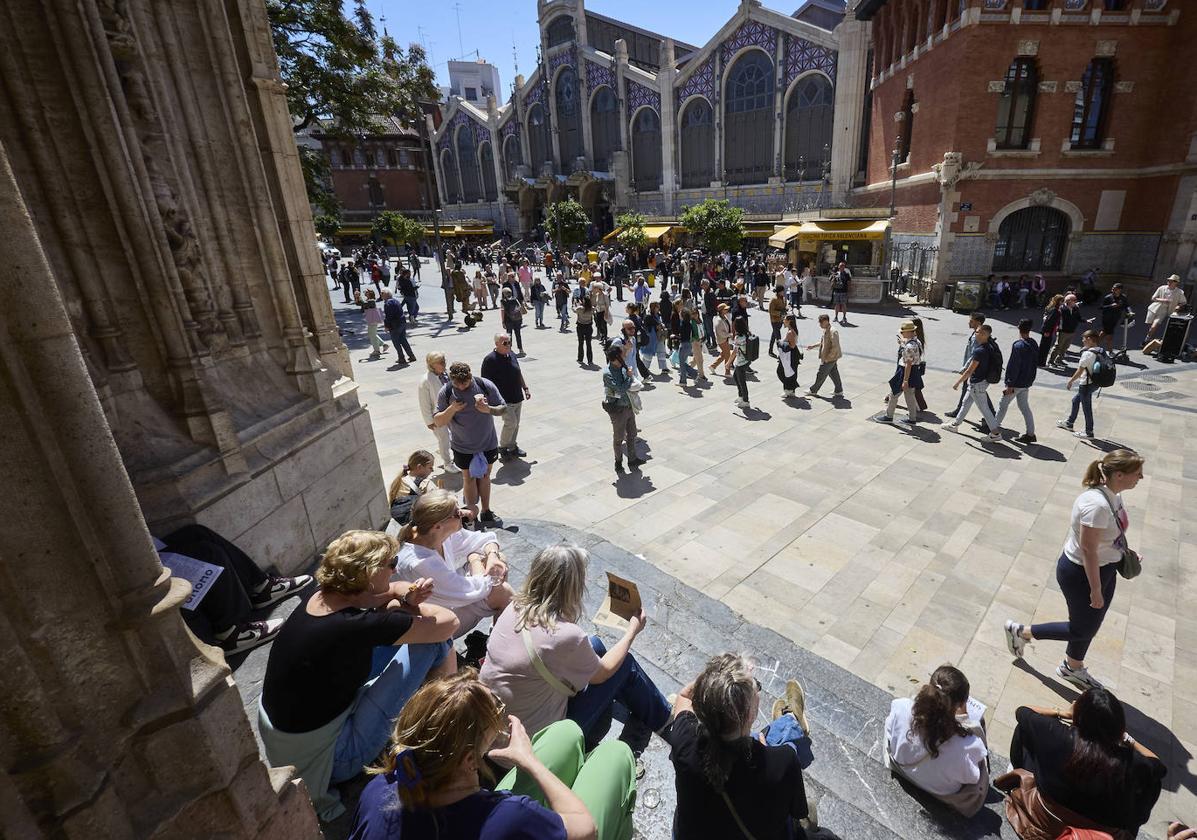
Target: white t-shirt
<point x="1088" y="357"/>
<point x="958" y="763"/>
<point x="566" y="652"/>
<point x="1092" y="508"/>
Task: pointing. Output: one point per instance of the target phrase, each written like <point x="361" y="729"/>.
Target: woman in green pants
<point x="428" y="784"/>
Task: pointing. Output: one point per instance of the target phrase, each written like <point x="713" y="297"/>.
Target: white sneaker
<point x="787" y="393"/>
<point x="952" y="427"/>
<point x="1080" y="677"/>
<point x="452" y="468"/>
<point x="1014" y="640"/>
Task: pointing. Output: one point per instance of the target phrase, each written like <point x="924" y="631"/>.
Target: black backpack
<point x="1104" y="371"/>
<point x="993" y="374"/>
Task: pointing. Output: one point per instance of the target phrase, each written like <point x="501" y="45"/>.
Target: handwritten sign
<point x="199" y="574"/>
<point x="622" y="602"/>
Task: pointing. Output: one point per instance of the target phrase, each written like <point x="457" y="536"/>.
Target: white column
<point x="850" y="83"/>
<point x="666" y="78"/>
<point x="441" y="187"/>
<point x="779" y="105"/>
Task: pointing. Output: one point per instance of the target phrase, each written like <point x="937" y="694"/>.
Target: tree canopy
<point x="566" y="222"/>
<point x="716" y="224"/>
<point x="631" y="234"/>
<point x="396" y="228"/>
<point x="327" y="226"/>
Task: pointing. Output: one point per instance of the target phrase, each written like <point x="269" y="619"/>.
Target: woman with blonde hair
<point x="413" y="481"/>
<point x="730" y="784"/>
<point x="320" y="710"/>
<point x="546" y="668"/>
<point x="1095" y="552"/>
<point x="468" y="572"/>
<point x="428" y="783"/>
<point x="932" y="742"/>
<point x="434" y="380"/>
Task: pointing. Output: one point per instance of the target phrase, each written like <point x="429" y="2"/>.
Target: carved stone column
<point x="850" y="86"/>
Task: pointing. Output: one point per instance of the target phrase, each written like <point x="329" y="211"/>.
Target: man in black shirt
<point x="709" y="301"/>
<point x="503" y="369"/>
<point x="1114" y="308"/>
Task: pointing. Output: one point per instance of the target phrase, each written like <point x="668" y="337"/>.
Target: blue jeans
<point x="1083" y="621"/>
<point x="1083" y="400"/>
<point x="787" y="730"/>
<point x="539" y="306"/>
<point x="563" y="316"/>
<point x="590" y="708"/>
<point x="1022" y="395"/>
<point x="399" y="339"/>
<point x="412" y="302"/>
<point x="977" y="393"/>
<point x="708" y="326"/>
<point x="684" y="370"/>
<point x="368" y="727"/>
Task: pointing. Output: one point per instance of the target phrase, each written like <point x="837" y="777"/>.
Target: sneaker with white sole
<point x="251" y="634"/>
<point x="1014" y="640"/>
<point x="278" y="588"/>
<point x="1080" y="677"/>
<point x="1063" y="424"/>
<point x="951" y="427"/>
<point x="1085" y="435"/>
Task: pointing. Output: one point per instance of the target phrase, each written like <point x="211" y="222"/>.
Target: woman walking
<point x="740" y="365"/>
<point x="788" y="356"/>
<point x="513" y="317"/>
<point x="656" y="333"/>
<point x="922" y="366"/>
<point x="723" y="340"/>
<point x="617" y="402"/>
<point x="1051" y="325"/>
<point x="479" y="286"/>
<point x="373" y="317"/>
<point x="584" y="324"/>
<point x="1088" y="568"/>
<point x="540" y="297"/>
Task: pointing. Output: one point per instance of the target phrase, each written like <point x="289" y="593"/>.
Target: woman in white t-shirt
<point x="1088" y="566"/>
<point x="545" y="667"/>
<point x="932" y="742"/>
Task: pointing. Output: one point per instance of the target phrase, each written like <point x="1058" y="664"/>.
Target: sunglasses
<point x="758" y="685"/>
<point x="395" y="563"/>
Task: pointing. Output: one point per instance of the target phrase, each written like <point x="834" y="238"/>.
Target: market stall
<point x="822" y="244"/>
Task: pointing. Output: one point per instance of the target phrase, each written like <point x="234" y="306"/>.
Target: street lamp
<point x="824" y="198"/>
<point x="429" y="175"/>
<point x="893" y="206"/>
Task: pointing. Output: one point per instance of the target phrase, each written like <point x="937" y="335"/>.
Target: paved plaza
<point x="882" y="551"/>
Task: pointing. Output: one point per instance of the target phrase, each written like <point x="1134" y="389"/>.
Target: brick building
<point x="1048" y="136"/>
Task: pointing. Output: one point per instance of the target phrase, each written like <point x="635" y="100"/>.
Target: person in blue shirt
<point x="1020" y="375"/>
<point x="976" y="374"/>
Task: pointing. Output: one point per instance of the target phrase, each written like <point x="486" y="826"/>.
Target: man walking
<point x="709" y="302"/>
<point x="793" y="289"/>
<point x="447" y="286"/>
<point x="1070" y="320"/>
<point x="829" y="356"/>
<point x="777" y="311"/>
<point x="467" y="405"/>
<point x="396" y="325"/>
<point x="1020" y="375"/>
<point x="503" y="369"/>
<point x="841" y="285"/>
<point x="977" y="376"/>
<point x="974" y="321"/>
<point x="411" y="295"/>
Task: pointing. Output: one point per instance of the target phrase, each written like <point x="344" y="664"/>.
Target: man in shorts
<point x="467" y="405"/>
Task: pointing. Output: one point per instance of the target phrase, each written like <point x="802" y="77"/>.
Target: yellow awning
<point x="828" y="230"/>
<point x="782" y="237"/>
<point x="759" y="230"/>
<point x="656" y="231"/>
<point x="612" y="234"/>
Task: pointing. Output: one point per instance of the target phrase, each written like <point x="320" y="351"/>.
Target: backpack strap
<point x="543" y="670"/>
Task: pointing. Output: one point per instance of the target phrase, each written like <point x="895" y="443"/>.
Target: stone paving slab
<point x="886" y="552"/>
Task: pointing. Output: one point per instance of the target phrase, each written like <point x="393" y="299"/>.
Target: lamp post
<point x="893" y="206"/>
<point x="824" y="198"/>
<point x="433" y="197"/>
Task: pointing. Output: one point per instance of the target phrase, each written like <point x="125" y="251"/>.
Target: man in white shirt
<point x="793" y="290"/>
<point x="1166" y="300"/>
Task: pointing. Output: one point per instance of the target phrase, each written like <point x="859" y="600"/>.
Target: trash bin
<point x="949" y="295"/>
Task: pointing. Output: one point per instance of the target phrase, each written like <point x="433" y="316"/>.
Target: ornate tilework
<point x="481" y="134"/>
<point x="1154" y="5"/>
<point x="512" y="126"/>
<point x="1074" y="5"/>
<point x="701" y="82"/>
<point x="752" y="33"/>
<point x="598" y="75"/>
<point x="639" y="95"/>
<point x="802" y="55"/>
<point x="561" y="59"/>
<point x="536" y="95"/>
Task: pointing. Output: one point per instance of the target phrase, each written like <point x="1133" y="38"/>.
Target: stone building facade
<point x="619" y="117"/>
<point x="1036" y="136"/>
<point x="167" y="355"/>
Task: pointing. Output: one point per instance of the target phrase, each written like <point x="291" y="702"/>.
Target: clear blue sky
<point x="491" y="26"/>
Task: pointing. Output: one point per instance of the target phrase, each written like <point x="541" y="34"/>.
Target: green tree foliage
<point x="338" y="71"/>
<point x="397" y="229"/>
<point x="566" y="221"/>
<point x="327" y="226"/>
<point x="631" y="234"/>
<point x="716" y="224"/>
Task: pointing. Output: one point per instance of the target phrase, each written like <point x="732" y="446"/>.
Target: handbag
<point x="1035" y="817"/>
<point x="1130" y="565"/>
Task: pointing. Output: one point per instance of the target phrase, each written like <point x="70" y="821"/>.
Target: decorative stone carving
<point x="991" y="237"/>
<point x="1124" y="87"/>
<point x="998" y="86"/>
<point x="953" y="170"/>
<point x="1048" y="87"/>
<point x="1028" y="47"/>
<point x="900" y="116"/>
<point x="1072" y="86"/>
<point x="910" y="81"/>
<point x="1106" y="49"/>
<point x="1041" y="197"/>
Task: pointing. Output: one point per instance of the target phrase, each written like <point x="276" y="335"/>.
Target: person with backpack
<point x="984" y="369"/>
<point x="1096" y="370"/>
<point x="975" y="320"/>
<point x="1020" y="375"/>
<point x="907" y="379"/>
<point x="740" y="364"/>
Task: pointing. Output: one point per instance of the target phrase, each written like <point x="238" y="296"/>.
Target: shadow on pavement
<point x="513" y="472"/>
<point x="633" y="485"/>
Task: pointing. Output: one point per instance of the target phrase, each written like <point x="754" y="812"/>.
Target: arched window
<point x="560" y="30"/>
<point x="449" y="173"/>
<point x="748" y="135"/>
<point x="569" y="118"/>
<point x="490" y="191"/>
<point x="377" y="197"/>
<point x="906" y="127"/>
<point x="604" y="127"/>
<point x="646" y="150"/>
<point x="512" y="156"/>
<point x="698" y="144"/>
<point x="1017" y="104"/>
<point x="1031" y="239"/>
<point x="538" y="139"/>
<point x="808" y="128"/>
<point x="467" y="161"/>
<point x="1092" y="104"/>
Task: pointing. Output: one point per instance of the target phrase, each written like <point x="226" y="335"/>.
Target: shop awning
<point x="781" y="238"/>
<point x="612" y="234"/>
<point x="655" y="232"/>
<point x="759" y="230"/>
<point x="836" y="230"/>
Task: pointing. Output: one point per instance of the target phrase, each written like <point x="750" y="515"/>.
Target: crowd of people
<point x="511" y="739"/>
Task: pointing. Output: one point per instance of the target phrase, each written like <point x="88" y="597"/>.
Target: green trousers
<point x="605" y="780"/>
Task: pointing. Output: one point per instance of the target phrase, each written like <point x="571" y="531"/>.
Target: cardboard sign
<point x="622" y="602"/>
<point x="199" y="574"/>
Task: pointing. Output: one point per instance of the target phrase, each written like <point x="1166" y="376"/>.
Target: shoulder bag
<point x="556" y="684"/>
<point x="1130" y="565"/>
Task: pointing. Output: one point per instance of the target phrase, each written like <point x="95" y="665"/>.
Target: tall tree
<point x="397" y="229"/>
<point x="631" y="234"/>
<point x="566" y="222"/>
<point x="716" y="224"/>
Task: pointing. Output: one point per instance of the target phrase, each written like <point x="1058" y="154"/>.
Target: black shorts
<point x="462" y="459"/>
